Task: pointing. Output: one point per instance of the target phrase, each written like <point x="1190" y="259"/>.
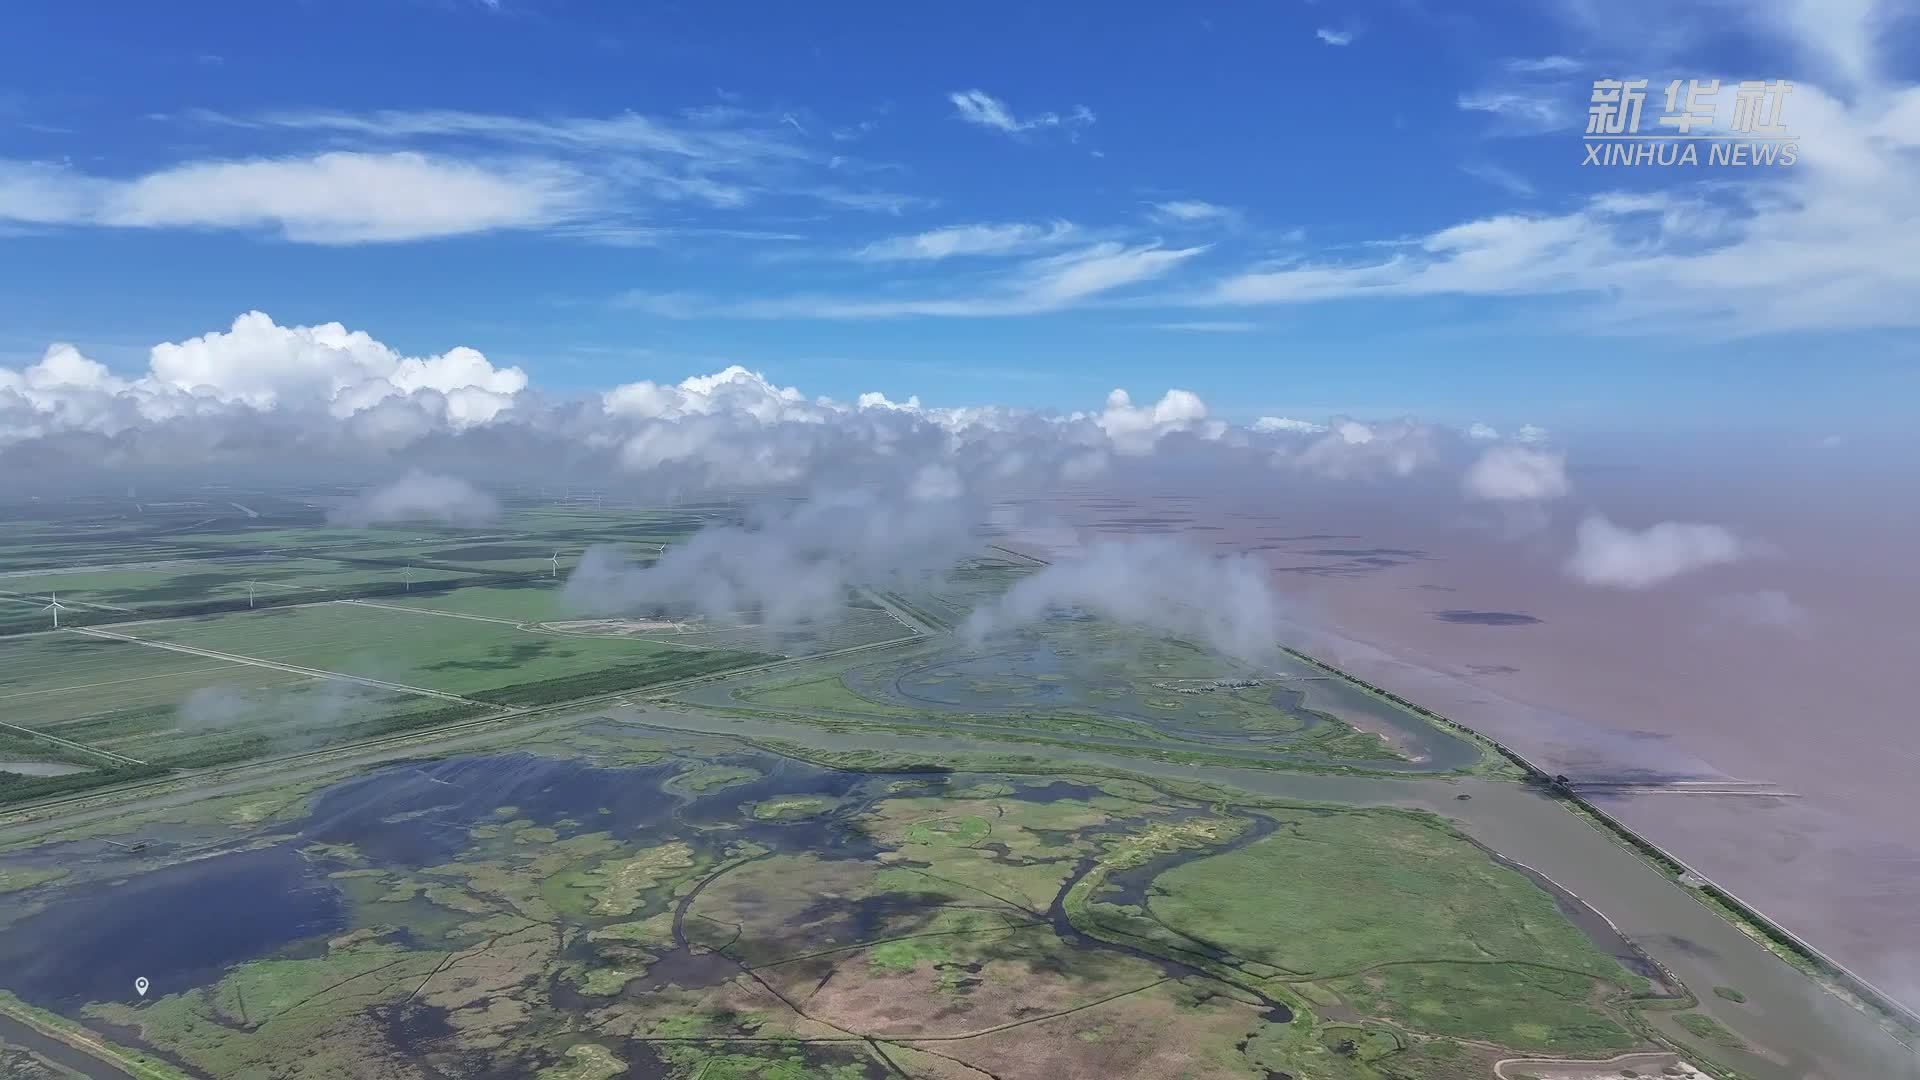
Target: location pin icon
<point x="140" y="986"/>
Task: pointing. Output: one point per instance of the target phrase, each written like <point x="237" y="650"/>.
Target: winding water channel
<point x="1807" y="1032"/>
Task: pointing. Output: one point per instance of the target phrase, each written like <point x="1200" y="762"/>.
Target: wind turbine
<point x="406" y="579"/>
<point x="54" y="605"/>
<point x="249" y="594"/>
<point x="554" y="564"/>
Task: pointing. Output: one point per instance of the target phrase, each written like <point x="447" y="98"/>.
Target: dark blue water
<point x="418" y="815"/>
<point x="178" y="926"/>
<point x="185" y="925"/>
<point x="1054" y="791"/>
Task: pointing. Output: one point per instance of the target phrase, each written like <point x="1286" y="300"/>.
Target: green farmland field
<point x="135" y="588"/>
<point x="185" y="580"/>
<point x="49" y="680"/>
<point x="539" y="600"/>
<point x="530" y="601"/>
<point x="1489" y="946"/>
<point x="470" y="657"/>
<point x="170" y="709"/>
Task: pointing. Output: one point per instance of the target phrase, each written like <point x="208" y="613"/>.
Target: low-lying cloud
<point x="1771" y="609"/>
<point x="1608" y="555"/>
<point x="1157" y="583"/>
<point x="419" y="497"/>
<point x="285" y="717"/>
<point x="1348" y="449"/>
<point x="1517" y="474"/>
<point x="792" y="565"/>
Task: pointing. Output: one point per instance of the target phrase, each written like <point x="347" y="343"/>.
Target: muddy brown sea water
<point x="1668" y="682"/>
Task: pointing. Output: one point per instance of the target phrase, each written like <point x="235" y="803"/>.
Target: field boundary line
<point x="71" y="745"/>
<point x="525" y="627"/>
<point x="109" y="682"/>
<point x="427" y="611"/>
<point x="145" y="564"/>
<point x="919" y="628"/>
<point x="30" y="598"/>
<point x="295" y="669"/>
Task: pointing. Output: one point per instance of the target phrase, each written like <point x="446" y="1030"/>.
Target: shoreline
<point x="1832" y="976"/>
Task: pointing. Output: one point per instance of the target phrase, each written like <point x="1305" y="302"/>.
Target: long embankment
<point x="1796" y="950"/>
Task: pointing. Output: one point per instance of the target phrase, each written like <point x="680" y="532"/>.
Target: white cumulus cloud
<point x="1135" y="429"/>
<point x="261" y="364"/>
<point x="339" y="197"/>
<point x="284" y="385"/>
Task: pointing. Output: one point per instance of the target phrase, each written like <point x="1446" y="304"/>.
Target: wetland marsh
<point x="679" y="906"/>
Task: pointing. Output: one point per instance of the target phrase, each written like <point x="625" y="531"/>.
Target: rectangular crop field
<point x="169" y="583"/>
<point x="178" y="710"/>
<point x="539" y="601"/>
<point x="49" y="680"/>
<point x="532" y="554"/>
<point x="471" y="657"/>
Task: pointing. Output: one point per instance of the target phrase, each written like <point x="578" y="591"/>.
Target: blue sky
<point x="1289" y="208"/>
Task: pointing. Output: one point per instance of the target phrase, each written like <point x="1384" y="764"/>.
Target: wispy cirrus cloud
<point x="715" y="137"/>
<point x="1208" y="326"/>
<point x="981" y="109"/>
<point x="1036" y="286"/>
<point x="1501" y="177"/>
<point x="953" y="241"/>
<point x="1825" y="245"/>
<point x="1521" y="110"/>
<point x="396" y="175"/>
<point x="1542" y="65"/>
<point x="1528" y="96"/>
<point x="1194" y="212"/>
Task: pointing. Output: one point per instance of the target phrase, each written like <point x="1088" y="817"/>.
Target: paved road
<point x="901" y="615"/>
